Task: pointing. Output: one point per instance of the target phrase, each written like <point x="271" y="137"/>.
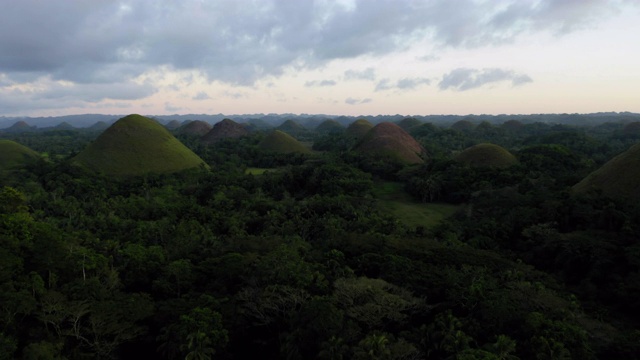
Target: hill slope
<point x="359" y="128"/>
<point x="389" y="139"/>
<point x="618" y="178"/>
<point x="136" y="145"/>
<point x="280" y="142"/>
<point x="194" y="128"/>
<point x="486" y="155"/>
<point x="14" y="155"/>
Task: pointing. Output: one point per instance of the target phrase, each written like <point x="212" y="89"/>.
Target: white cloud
<point x="463" y="79"/>
<point x="356" y="101"/>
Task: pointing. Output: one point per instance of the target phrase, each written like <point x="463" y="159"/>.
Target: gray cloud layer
<point x="466" y="79"/>
<point x="239" y="42"/>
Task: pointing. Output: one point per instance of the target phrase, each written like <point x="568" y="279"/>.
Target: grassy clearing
<point x="394" y="200"/>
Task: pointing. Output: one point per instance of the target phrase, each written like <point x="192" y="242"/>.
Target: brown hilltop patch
<point x="486" y="155"/>
<point x="225" y="129"/>
<point x="195" y="128"/>
<point x="19" y="126"/>
<point x="619" y="178"/>
<point x="390" y="140"/>
<point x="359" y="128"/>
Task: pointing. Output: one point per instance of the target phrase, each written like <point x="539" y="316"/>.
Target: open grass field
<point x="394" y="200"/>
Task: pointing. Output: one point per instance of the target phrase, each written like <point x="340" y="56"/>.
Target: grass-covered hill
<point x="618" y="178"/>
<point x="19" y="126"/>
<point x="173" y="124"/>
<point x="98" y="126"/>
<point x="407" y="123"/>
<point x="330" y="126"/>
<point x="389" y="139"/>
<point x="486" y="155"/>
<point x="14" y="155"/>
<point x="359" y="128"/>
<point x="136" y="145"/>
<point x="194" y="128"/>
<point x="225" y="129"/>
<point x="463" y="125"/>
<point x="280" y="142"/>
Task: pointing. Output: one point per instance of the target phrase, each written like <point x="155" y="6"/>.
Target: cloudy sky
<point x="347" y="57"/>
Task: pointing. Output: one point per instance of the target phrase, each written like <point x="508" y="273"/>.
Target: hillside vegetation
<point x="136" y="145"/>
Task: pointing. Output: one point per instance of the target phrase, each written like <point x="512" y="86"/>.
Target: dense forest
<point x="322" y="254"/>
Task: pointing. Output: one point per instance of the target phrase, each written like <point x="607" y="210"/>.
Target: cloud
<point x="318" y="83"/>
<point x="354" y="101"/>
<point x="366" y="74"/>
<point x="402" y="84"/>
<point x="463" y="79"/>
<point x="201" y="96"/>
<point x="107" y="41"/>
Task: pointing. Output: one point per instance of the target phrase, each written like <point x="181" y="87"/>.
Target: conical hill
<point x="486" y="155"/>
<point x="20" y="126"/>
<point x="390" y="140"/>
<point x="137" y="145"/>
<point x="408" y="123"/>
<point x="280" y="142"/>
<point x="14" y="155"/>
<point x="618" y="178"/>
<point x="359" y="128"/>
<point x="194" y="128"/>
<point x="225" y="129"/>
<point x="330" y="126"/>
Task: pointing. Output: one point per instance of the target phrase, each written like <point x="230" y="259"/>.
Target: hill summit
<point x="359" y="128"/>
<point x="194" y="128"/>
<point x="281" y="142"/>
<point x="137" y="145"/>
<point x="389" y="139"/>
<point x="224" y="129"/>
<point x="486" y="155"/>
<point x="618" y="178"/>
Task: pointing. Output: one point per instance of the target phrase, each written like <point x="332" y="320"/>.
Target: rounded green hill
<point x="330" y="126"/>
<point x="280" y="142"/>
<point x="14" y="156"/>
<point x="486" y="155"/>
<point x="407" y="123"/>
<point x="359" y="128"/>
<point x="390" y="140"/>
<point x="463" y="125"/>
<point x="136" y="145"/>
<point x="619" y="178"/>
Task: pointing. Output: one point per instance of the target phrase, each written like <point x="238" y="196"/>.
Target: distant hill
<point x="280" y="142"/>
<point x="408" y="123"/>
<point x="98" y="126"/>
<point x="389" y="139"/>
<point x="173" y="124"/>
<point x="359" y="128"/>
<point x="137" y="145"/>
<point x="486" y="155"/>
<point x="63" y="126"/>
<point x="20" y="126"/>
<point x="194" y="128"/>
<point x="292" y="128"/>
<point x="463" y="125"/>
<point x="618" y="178"/>
<point x="14" y="155"/>
<point x="225" y="129"/>
<point x="330" y="126"/>
<point x="512" y="125"/>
